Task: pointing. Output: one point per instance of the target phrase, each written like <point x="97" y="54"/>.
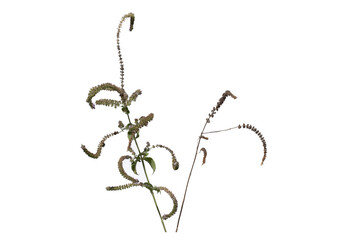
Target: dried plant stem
<point x="192" y="167"/>
<point x="221" y="130"/>
<point x="147" y="178"/>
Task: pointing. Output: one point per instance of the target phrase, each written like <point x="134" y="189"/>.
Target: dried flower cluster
<point x="133" y="128"/>
<point x="133" y="133"/>
<point x="219" y="103"/>
<point x="211" y="115"/>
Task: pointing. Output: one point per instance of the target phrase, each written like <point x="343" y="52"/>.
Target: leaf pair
<point x="147" y="159"/>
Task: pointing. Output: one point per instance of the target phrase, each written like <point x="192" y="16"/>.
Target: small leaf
<point x="148" y="186"/>
<point x="151" y="162"/>
<point x="130" y="135"/>
<point x="133" y="167"/>
<point x="125" y="110"/>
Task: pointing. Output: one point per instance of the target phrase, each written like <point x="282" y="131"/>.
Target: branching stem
<point x="147" y="178"/>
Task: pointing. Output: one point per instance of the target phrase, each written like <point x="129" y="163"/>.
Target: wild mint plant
<point x="204" y="151"/>
<point x="132" y="131"/>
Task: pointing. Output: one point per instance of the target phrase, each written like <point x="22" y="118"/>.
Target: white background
<point x="294" y="66"/>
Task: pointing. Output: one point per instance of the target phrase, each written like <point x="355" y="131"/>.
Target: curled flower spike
<point x="219" y="103"/>
<point x="175" y="203"/>
<point x="132" y="20"/>
<point x="100" y="146"/>
<point x="252" y="128"/>
<point x="122" y="171"/>
<point x="107" y="87"/>
<point x="175" y="163"/>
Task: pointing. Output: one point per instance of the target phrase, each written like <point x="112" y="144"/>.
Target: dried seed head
<point x="175" y="203"/>
<point x="133" y="97"/>
<point x="107" y="87"/>
<point x="205" y="154"/>
<point x="100" y="146"/>
<point x="175" y="163"/>
<point x="219" y="103"/>
<point x="252" y="128"/>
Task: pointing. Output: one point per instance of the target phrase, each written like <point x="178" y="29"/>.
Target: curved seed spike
<point x="252" y="128"/>
<point x="175" y="203"/>
<point x="205" y="154"/>
<point x="122" y="187"/>
<point x="132" y="20"/>
<point x="226" y="94"/>
<point x="108" y="102"/>
<point x="122" y="171"/>
<point x="175" y="163"/>
<point x="108" y="87"/>
<point x="100" y="146"/>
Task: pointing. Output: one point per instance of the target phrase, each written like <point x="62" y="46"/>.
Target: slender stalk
<point x="221" y="130"/>
<point x="187" y="184"/>
<point x="147" y="178"/>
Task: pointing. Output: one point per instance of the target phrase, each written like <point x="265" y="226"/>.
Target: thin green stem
<point x="147" y="178"/>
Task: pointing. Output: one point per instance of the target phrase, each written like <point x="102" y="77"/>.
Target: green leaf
<point x="148" y="186"/>
<point x="133" y="167"/>
<point x="151" y="162"/>
<point x="129" y="135"/>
